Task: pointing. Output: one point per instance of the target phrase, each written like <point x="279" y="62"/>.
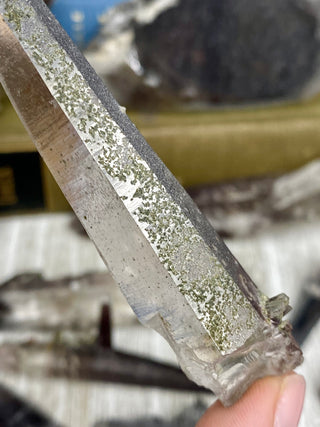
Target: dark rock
<point x="17" y="412"/>
<point x="231" y="50"/>
<point x="208" y="51"/>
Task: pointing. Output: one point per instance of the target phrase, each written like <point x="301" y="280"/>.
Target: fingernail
<point x="290" y="402"/>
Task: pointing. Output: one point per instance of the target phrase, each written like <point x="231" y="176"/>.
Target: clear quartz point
<point x="175" y="271"/>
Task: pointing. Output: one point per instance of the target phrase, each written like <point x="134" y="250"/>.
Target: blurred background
<point x="228" y="95"/>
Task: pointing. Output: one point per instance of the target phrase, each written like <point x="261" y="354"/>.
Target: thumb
<point x="270" y="402"/>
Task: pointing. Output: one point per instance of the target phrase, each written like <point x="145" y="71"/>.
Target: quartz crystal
<point x="175" y="271"/>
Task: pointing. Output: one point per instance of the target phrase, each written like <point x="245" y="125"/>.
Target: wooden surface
<point x="13" y="136"/>
<point x="279" y="259"/>
<point x="224" y="144"/>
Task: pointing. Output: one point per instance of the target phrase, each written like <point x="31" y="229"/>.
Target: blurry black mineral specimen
<point x="230" y="50"/>
<point x="155" y="52"/>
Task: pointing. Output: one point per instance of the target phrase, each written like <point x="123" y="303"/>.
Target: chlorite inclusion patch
<point x="217" y="301"/>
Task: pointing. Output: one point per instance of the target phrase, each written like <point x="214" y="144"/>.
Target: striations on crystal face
<point x="175" y="271"/>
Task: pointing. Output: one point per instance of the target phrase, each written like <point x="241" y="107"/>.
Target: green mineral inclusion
<point x="211" y="292"/>
<point x="15" y="14"/>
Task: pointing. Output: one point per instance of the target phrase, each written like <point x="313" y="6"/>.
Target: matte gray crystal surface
<point x="175" y="271"/>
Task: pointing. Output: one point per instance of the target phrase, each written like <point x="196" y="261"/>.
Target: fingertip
<point x="290" y="401"/>
<point x="259" y="404"/>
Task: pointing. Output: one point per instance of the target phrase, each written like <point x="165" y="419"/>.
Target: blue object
<point x="80" y="18"/>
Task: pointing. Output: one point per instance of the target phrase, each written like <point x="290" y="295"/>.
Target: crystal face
<point x="174" y="270"/>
